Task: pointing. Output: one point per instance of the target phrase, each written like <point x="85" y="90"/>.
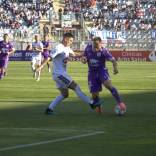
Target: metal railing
<point x="115" y="45"/>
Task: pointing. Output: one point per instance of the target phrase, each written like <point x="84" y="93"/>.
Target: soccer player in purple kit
<point x="96" y="56"/>
<point x="46" y="50"/>
<point x="6" y="49"/>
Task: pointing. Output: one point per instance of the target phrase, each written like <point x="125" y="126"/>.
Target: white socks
<point x="56" y="101"/>
<point x="78" y="92"/>
<point x="82" y="96"/>
<point x="33" y="67"/>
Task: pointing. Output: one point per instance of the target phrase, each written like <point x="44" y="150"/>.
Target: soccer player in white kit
<point x="59" y="56"/>
<point x="37" y="49"/>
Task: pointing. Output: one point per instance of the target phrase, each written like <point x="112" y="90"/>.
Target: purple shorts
<point x="3" y="60"/>
<point x="96" y="79"/>
<point x="45" y="55"/>
<point x="3" y="63"/>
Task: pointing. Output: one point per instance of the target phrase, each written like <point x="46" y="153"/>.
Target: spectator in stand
<point x="45" y="30"/>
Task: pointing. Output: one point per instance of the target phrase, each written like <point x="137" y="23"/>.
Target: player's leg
<point x="2" y="64"/>
<point x="45" y="56"/>
<point x="75" y="87"/>
<point x="1" y="74"/>
<point x="62" y="83"/>
<point x="113" y="90"/>
<point x="33" y="62"/>
<point x="33" y="66"/>
<point x="106" y="81"/>
<point x="38" y="73"/>
<point x="49" y="69"/>
<point x="6" y="66"/>
<point x="63" y="94"/>
<point x="95" y="86"/>
<point x="96" y="102"/>
<point x="115" y="93"/>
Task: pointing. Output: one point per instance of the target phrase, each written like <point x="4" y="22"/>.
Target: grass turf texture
<point x="22" y="119"/>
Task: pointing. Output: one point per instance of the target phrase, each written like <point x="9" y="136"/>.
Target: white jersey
<point x="60" y="55"/>
<point x="38" y="45"/>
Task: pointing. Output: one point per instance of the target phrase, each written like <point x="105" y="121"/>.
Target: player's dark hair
<point x="97" y="39"/>
<point x="68" y="35"/>
<point x="5" y="34"/>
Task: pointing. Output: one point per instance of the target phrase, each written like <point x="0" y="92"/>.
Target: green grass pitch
<point x="22" y="119"/>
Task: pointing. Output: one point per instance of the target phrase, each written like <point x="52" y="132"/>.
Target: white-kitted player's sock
<point x="33" y="67"/>
<point x="82" y="96"/>
<point x="56" y="101"/>
<point x="38" y="75"/>
<point x="49" y="70"/>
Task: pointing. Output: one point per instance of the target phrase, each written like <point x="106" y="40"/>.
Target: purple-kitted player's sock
<point x="115" y="94"/>
<point x="96" y="100"/>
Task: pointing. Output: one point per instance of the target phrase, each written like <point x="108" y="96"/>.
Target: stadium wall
<point x="146" y="56"/>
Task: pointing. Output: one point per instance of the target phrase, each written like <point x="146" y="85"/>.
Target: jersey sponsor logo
<point x="4" y="50"/>
<point x="93" y="62"/>
<point x="98" y="54"/>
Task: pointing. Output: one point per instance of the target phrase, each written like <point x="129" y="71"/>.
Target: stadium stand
<point x="121" y="23"/>
<point x="21" y="17"/>
<point x="116" y="14"/>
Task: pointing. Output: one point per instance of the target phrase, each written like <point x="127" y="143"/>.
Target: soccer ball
<point x="120" y="110"/>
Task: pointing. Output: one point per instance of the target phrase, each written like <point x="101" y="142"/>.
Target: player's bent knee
<point x="73" y="85"/>
<point x="65" y="95"/>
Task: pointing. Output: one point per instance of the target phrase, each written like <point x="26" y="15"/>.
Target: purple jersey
<point x="4" y="49"/>
<point x="98" y="72"/>
<point x="97" y="60"/>
<point x="45" y="52"/>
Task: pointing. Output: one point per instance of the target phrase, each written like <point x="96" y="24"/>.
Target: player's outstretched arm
<point x="11" y="52"/>
<point x="83" y="59"/>
<point x="43" y="63"/>
<point x="38" y="50"/>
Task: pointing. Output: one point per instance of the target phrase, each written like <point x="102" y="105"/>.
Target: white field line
<point x="51" y="141"/>
<point x="43" y="129"/>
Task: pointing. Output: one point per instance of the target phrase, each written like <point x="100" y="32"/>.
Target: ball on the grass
<point x="119" y="111"/>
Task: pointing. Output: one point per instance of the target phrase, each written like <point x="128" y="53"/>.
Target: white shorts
<point x="36" y="60"/>
<point x="62" y="80"/>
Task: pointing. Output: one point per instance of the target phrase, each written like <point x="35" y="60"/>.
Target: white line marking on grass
<point x="51" y="141"/>
<point x="44" y="129"/>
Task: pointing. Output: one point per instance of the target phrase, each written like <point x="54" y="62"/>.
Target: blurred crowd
<point x="116" y="14"/>
<point x="15" y="14"/>
<point x="23" y="16"/>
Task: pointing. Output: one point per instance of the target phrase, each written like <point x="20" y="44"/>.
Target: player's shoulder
<point x="88" y="46"/>
<point x="40" y="42"/>
<point x="11" y="44"/>
<point x="59" y="45"/>
<point x="104" y="50"/>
